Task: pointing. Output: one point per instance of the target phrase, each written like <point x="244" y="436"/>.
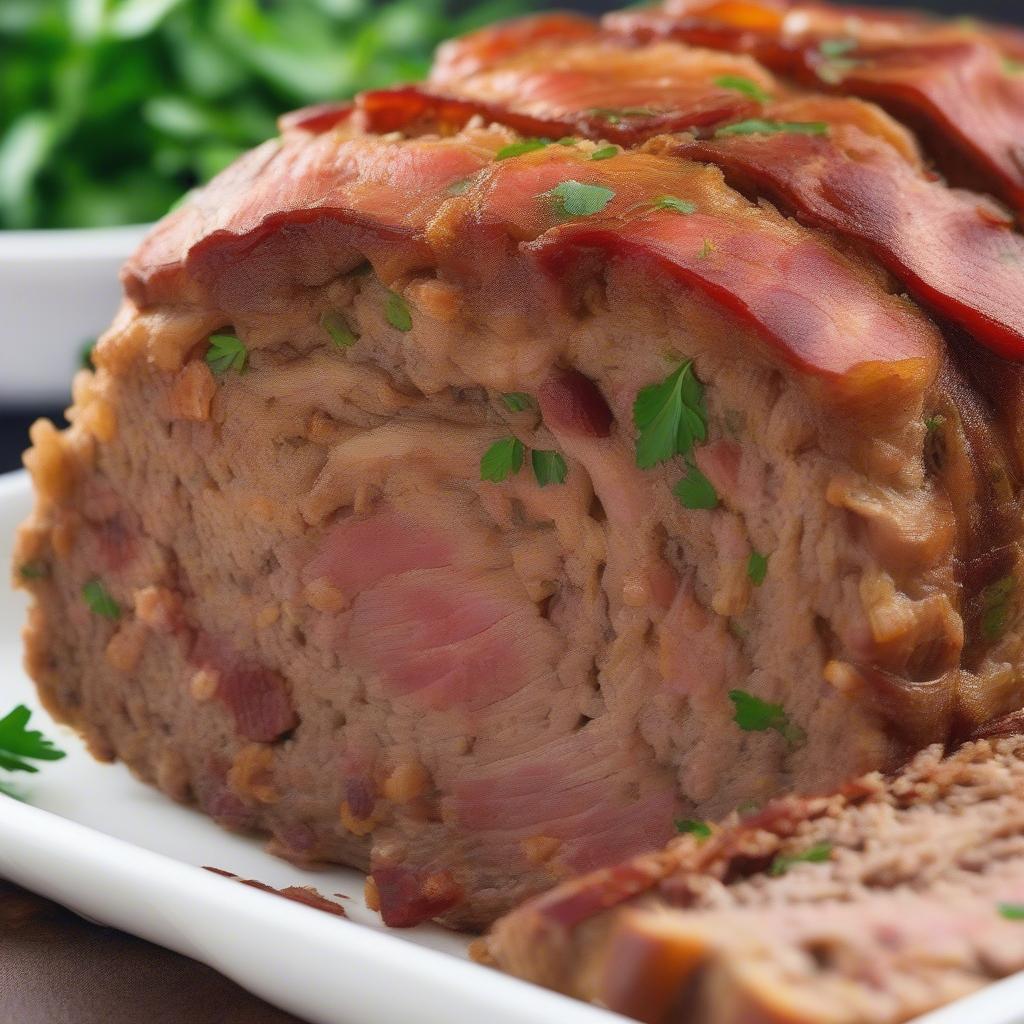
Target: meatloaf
<point x="886" y="900"/>
<point x="619" y="427"/>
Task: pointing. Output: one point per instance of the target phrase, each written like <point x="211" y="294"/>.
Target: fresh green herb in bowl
<point x="112" y="109"/>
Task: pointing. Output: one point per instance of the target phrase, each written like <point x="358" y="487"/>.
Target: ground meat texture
<point x="468" y="511"/>
<point x="891" y="898"/>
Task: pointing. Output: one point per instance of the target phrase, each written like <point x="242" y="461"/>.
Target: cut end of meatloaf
<point x="466" y="507"/>
<point x="890" y="899"/>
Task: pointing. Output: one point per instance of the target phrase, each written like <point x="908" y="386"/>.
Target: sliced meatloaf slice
<point x="894" y="897"/>
<point x="483" y="474"/>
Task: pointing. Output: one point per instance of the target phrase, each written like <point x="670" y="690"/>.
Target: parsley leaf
<point x="548" y="467"/>
<point x="746" y="86"/>
<point x="757" y="568"/>
<point x="695" y="490"/>
<point x="85" y="357"/>
<point x="226" y="352"/>
<point x="755" y="715"/>
<point x="817" y="854"/>
<point x="604" y="153"/>
<point x="19" y="745"/>
<point x="1012" y="911"/>
<point x="670" y="417"/>
<point x="398" y="313"/>
<point x="755" y="126"/>
<point x="837" y="47"/>
<point x="567" y="140"/>
<point x="518" y="148"/>
<point x="34" y="571"/>
<point x="932" y="423"/>
<point x="706" y="249"/>
<point x="100" y="602"/>
<point x="517" y="401"/>
<point x="577" y="199"/>
<point x="617" y="116"/>
<point x="690" y="827"/>
<point x="997" y="604"/>
<point x="503" y="459"/>
<point x="337" y="327"/>
<point x="674" y="204"/>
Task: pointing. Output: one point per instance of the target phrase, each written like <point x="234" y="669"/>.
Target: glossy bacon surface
<point x="950" y="82"/>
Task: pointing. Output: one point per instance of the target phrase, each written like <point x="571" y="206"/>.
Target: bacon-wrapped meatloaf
<point x="619" y="427"/>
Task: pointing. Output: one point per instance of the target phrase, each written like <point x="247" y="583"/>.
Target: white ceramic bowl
<point x="58" y="290"/>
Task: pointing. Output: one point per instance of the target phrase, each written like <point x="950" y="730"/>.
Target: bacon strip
<point x="947" y="82"/>
<point x="816" y="309"/>
<point x="953" y="253"/>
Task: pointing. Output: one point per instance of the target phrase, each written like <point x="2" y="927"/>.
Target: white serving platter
<point x="102" y="843"/>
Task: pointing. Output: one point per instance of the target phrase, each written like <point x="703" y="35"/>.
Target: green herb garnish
<point x="226" y="352"/>
<point x="746" y="86"/>
<point x="337" y="327"/>
<point x="670" y="417"/>
<point x="567" y="140"/>
<point x="755" y="715"/>
<point x="756" y="126"/>
<point x="604" y="153"/>
<point x="519" y="148"/>
<point x="34" y="571"/>
<point x="397" y="312"/>
<point x="85" y="356"/>
<point x="577" y="199"/>
<point x="817" y="854"/>
<point x="19" y="745"/>
<point x="997" y="600"/>
<point x="706" y="249"/>
<point x="695" y="490"/>
<point x="933" y="423"/>
<point x="757" y="568"/>
<point x="691" y="827"/>
<point x="517" y="401"/>
<point x="548" y="467"/>
<point x="503" y="459"/>
<point x="837" y="47"/>
<point x="1012" y="911"/>
<point x="617" y="116"/>
<point x="458" y="188"/>
<point x="674" y="204"/>
<point x="100" y="602"/>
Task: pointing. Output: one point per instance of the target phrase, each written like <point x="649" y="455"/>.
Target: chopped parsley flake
<point x="695" y="490"/>
<point x="337" y="327"/>
<point x="706" y="249"/>
<point x="933" y="423"/>
<point x="85" y="357"/>
<point x="670" y="417"/>
<point x="757" y="568"/>
<point x="997" y="601"/>
<point x="755" y="715"/>
<point x="398" y="313"/>
<point x="617" y="116"/>
<point x="756" y="126"/>
<point x="1012" y="911"/>
<point x="100" y="602"/>
<point x="604" y="153"/>
<point x="837" y="47"/>
<point x="517" y="401"/>
<point x="226" y="352"/>
<point x="567" y="140"/>
<point x="817" y="854"/>
<point x="519" y="148"/>
<point x="548" y="467"/>
<point x="34" y="571"/>
<point x="674" y="204"/>
<point x="19" y="745"/>
<point x="746" y="86"/>
<point x="577" y="199"/>
<point x="503" y="459"/>
<point x="690" y="827"/>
